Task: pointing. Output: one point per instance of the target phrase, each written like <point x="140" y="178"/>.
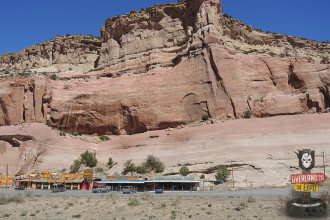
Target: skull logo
<point x="306" y="160"/>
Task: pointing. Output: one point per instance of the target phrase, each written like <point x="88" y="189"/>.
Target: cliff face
<point x="173" y="63"/>
<point x="59" y="54"/>
<point x="24" y="100"/>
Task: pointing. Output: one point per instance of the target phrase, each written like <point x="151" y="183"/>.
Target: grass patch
<point x="173" y="214"/>
<point x="133" y="202"/>
<point x="11" y="199"/>
<point x="23" y="214"/>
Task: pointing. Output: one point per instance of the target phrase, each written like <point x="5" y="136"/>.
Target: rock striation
<point x="173" y="63"/>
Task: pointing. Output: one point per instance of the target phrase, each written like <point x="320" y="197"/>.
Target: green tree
<point x="111" y="163"/>
<point x="202" y="176"/>
<point x="150" y="164"/>
<point x="222" y="173"/>
<point x="184" y="171"/>
<point x="129" y="167"/>
<point x="88" y="159"/>
<point x="74" y="168"/>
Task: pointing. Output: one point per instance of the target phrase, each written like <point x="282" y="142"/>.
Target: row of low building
<point x="84" y="181"/>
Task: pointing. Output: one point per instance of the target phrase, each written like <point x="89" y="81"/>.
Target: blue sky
<point x="27" y="22"/>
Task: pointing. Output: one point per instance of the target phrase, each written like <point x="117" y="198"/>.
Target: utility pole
<point x="232" y="173"/>
<point x="6" y="175"/>
<point x="323" y="164"/>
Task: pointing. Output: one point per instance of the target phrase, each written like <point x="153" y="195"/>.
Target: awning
<point x="78" y="180"/>
<point x="172" y="181"/>
<point x="120" y="182"/>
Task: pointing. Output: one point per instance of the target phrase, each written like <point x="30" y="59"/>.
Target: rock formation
<point x="59" y="54"/>
<point x="173" y="63"/>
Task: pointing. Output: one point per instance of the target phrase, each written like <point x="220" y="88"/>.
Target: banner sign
<point x="123" y="178"/>
<point x="4" y="180"/>
<point x="308" y="178"/>
<point x="88" y="175"/>
<point x="73" y="175"/>
<point x="306" y="187"/>
<point x="182" y="178"/>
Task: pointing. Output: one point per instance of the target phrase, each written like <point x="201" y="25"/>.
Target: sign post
<point x="307" y="183"/>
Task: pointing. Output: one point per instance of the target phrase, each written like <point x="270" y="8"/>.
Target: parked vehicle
<point x="159" y="190"/>
<point x="58" y="188"/>
<point x="128" y="190"/>
<point x="19" y="187"/>
<point x="99" y="189"/>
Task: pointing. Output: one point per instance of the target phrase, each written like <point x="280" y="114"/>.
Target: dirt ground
<point x="111" y="206"/>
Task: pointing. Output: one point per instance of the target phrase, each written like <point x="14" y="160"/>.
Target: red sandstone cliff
<point x="173" y="63"/>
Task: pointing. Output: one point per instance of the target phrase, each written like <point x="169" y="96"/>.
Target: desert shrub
<point x="76" y="216"/>
<point x="324" y="60"/>
<point x="111" y="163"/>
<point x="74" y="168"/>
<point x="251" y="199"/>
<point x="23" y="214"/>
<point x="184" y="171"/>
<point x="6" y="215"/>
<point x="173" y="214"/>
<point x="209" y="205"/>
<point x="104" y="138"/>
<point x="129" y="167"/>
<point x="62" y="133"/>
<point x="271" y="53"/>
<point x="75" y="133"/>
<point x="70" y="68"/>
<point x="53" y="76"/>
<point x="205" y="117"/>
<point x="202" y="176"/>
<point x="222" y="173"/>
<point x="88" y="159"/>
<point x="99" y="170"/>
<point x="133" y="202"/>
<point x="247" y="114"/>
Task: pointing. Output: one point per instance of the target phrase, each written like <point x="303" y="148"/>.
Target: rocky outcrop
<point x="24" y="100"/>
<point x="244" y="38"/>
<point x="15" y="140"/>
<point x="59" y="54"/>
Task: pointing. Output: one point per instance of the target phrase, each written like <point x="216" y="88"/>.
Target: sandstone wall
<point x="24" y="100"/>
